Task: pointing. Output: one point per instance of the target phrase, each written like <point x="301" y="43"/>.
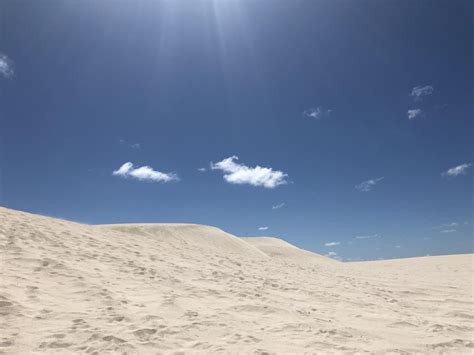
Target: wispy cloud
<point x="368" y="185"/>
<point x="131" y="145"/>
<point x="452" y="230"/>
<point x="235" y="173"/>
<point x="6" y="66"/>
<point x="447" y="225"/>
<point x="367" y="236"/>
<point x="414" y="113"/>
<point x="202" y="170"/>
<point x="331" y="244"/>
<point x="418" y="92"/>
<point x="277" y="207"/>
<point x="331" y="254"/>
<point x="144" y="173"/>
<point x="263" y="228"/>
<point x="457" y="170"/>
<point x="398" y="246"/>
<point x="317" y="113"/>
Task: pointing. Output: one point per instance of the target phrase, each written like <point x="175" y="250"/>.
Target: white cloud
<point x="457" y="170"/>
<point x="447" y="225"/>
<point x="262" y="228"/>
<point x="366" y="236"/>
<point x="240" y="174"/>
<point x="366" y="186"/>
<point x="413" y="113"/>
<point x="6" y="66"/>
<point x="331" y="254"/>
<point x="452" y="230"/>
<point x="144" y="173"/>
<point x="419" y="91"/>
<point x="277" y="207"/>
<point x="133" y="145"/>
<point x="317" y="113"/>
<point x="398" y="246"/>
<point x="202" y="170"/>
<point x="331" y="244"/>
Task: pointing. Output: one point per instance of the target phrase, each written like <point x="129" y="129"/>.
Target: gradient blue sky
<point x="317" y="90"/>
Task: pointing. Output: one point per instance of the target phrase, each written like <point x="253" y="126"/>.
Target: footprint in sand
<point x="145" y="333"/>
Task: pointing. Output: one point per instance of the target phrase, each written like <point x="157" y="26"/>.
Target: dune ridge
<point x="195" y="235"/>
<point x="67" y="287"/>
<point x="285" y="252"/>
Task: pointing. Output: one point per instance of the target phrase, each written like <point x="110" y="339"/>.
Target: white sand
<point x="69" y="288"/>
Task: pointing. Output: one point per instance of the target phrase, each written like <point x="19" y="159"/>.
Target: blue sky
<point x="346" y="118"/>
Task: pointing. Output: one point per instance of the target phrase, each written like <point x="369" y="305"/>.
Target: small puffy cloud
<point x="317" y="113"/>
<point x="414" y="113"/>
<point x="418" y="92"/>
<point x="144" y="173"/>
<point x="6" y="66"/>
<point x="278" y="206"/>
<point x="452" y="230"/>
<point x="262" y="228"/>
<point x="331" y="254"/>
<point x="366" y="236"/>
<point x="202" y="169"/>
<point x="457" y="170"/>
<point x="331" y="244"/>
<point x="239" y="174"/>
<point x="368" y="185"/>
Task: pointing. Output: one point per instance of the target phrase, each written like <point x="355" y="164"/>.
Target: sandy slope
<point x="287" y="253"/>
<point x="67" y="287"/>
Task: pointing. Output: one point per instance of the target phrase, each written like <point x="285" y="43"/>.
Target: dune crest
<point x="67" y="287"/>
<point x="195" y="235"/>
<point x="285" y="252"/>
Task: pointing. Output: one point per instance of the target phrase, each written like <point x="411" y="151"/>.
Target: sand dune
<point x="198" y="237"/>
<point x="72" y="288"/>
<point x="285" y="252"/>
